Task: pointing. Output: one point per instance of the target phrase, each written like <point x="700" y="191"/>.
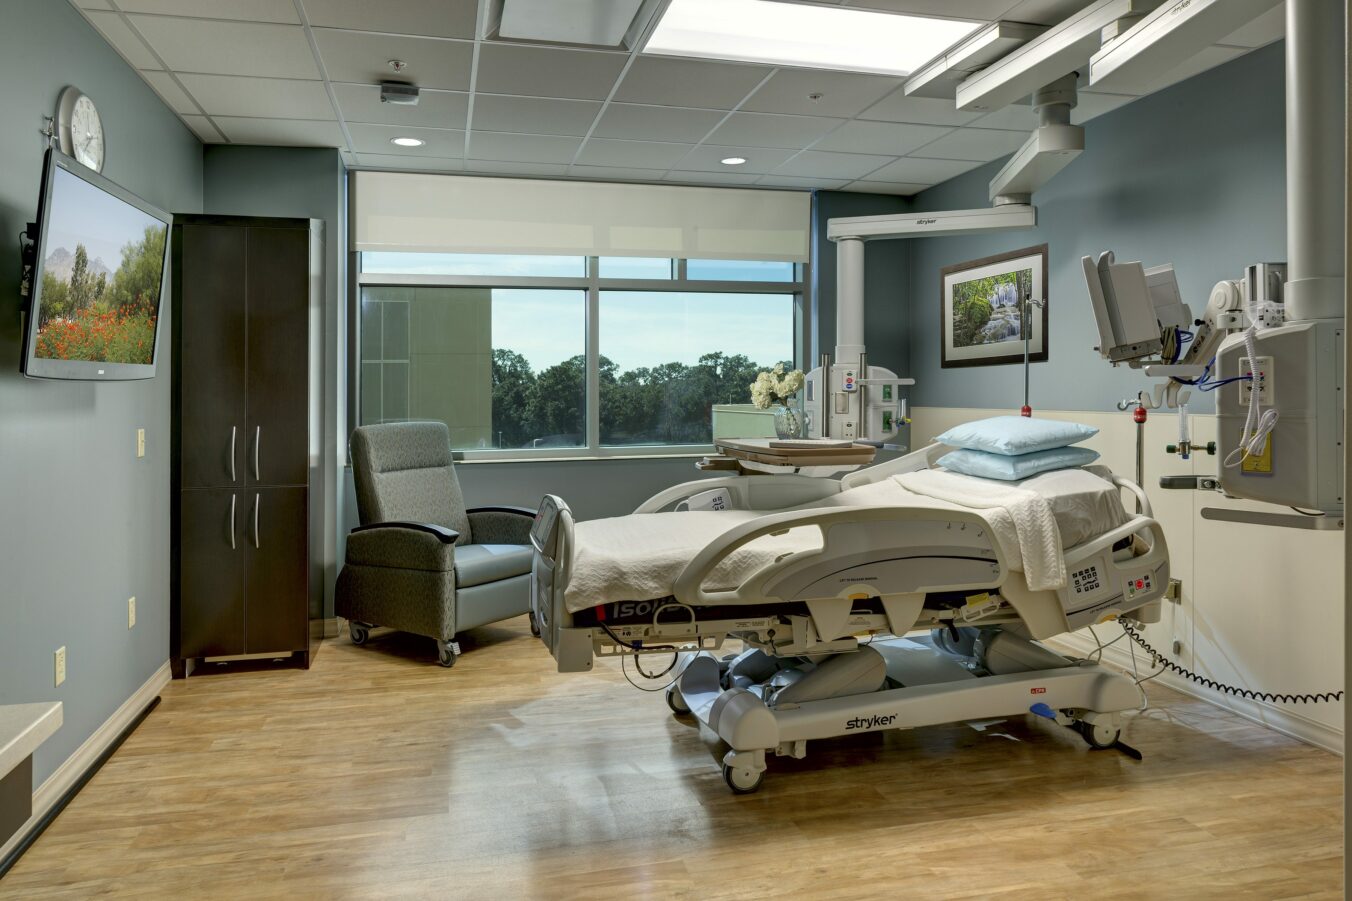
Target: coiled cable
<point x="1248" y="694"/>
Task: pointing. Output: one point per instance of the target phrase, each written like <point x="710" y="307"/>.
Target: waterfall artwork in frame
<point x="981" y="318"/>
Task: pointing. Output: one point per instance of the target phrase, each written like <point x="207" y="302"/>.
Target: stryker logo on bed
<point x="870" y="722"/>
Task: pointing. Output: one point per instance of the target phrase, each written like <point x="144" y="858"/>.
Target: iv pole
<point x="1027" y="311"/>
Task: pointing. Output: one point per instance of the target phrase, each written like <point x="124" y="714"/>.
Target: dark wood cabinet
<point x="247" y="297"/>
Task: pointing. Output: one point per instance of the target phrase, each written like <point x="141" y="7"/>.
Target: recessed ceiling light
<point x="795" y="34"/>
<point x="408" y="142"/>
<point x="734" y="161"/>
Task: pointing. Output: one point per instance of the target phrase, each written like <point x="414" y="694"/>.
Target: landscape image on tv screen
<point x="103" y="261"/>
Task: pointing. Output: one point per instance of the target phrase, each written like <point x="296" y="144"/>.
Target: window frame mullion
<point x="592" y="395"/>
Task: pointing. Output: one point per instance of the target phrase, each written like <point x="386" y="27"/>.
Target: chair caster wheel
<point x="676" y="701"/>
<point x="742" y="782"/>
<point x="1098" y="737"/>
<point x="447" y="652"/>
<point x="359" y="632"/>
<point x="534" y="626"/>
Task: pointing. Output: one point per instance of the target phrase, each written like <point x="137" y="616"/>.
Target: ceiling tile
<point x="283" y="132"/>
<point x="205" y="131"/>
<point x="229" y="48"/>
<point x="656" y="123"/>
<point x="810" y="184"/>
<point x="885" y="187"/>
<point x="688" y="83"/>
<point x="171" y="93"/>
<point x="283" y="11"/>
<point x="617" y="173"/>
<point x="709" y="157"/>
<point x="1265" y="29"/>
<point x="363" y="58"/>
<point x="897" y="107"/>
<point x="435" y="18"/>
<point x="632" y="154"/>
<point x="525" y="170"/>
<point x="531" y="115"/>
<point x="547" y="71"/>
<point x="768" y="130"/>
<point x="1042" y="12"/>
<point x="921" y="171"/>
<point x="93" y="4"/>
<point x="488" y="145"/>
<point x="272" y="98"/>
<point x="816" y="163"/>
<point x="444" y="143"/>
<point x="956" y="9"/>
<point x="123" y="39"/>
<point x="887" y="138"/>
<point x="419" y="163"/>
<point x="435" y="109"/>
<point x="712" y="178"/>
<point x="981" y="144"/>
<point x="845" y="95"/>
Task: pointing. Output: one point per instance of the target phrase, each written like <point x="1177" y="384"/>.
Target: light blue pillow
<point x="1013" y="468"/>
<point x="1011" y="435"/>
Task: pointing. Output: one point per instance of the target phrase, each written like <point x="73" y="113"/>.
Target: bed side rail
<point x="748" y="492"/>
<point x="924" y="458"/>
<point x="846" y="531"/>
<point x="552" y="538"/>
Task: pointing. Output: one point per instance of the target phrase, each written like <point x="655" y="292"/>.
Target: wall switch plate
<point x="131" y="612"/>
<point x="60" y="665"/>
<point x="140" y="442"/>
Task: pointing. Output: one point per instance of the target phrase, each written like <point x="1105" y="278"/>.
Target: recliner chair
<point x="420" y="561"/>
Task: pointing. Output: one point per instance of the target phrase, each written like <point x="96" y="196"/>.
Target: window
<point x="667" y="357"/>
<point x="496" y="346"/>
<point x="739" y="271"/>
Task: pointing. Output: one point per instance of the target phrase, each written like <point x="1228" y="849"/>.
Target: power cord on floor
<point x="1247" y="694"/>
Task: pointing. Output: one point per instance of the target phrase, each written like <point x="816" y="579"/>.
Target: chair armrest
<point x="500" y="524"/>
<point x="443" y="534"/>
<point x="403" y="545"/>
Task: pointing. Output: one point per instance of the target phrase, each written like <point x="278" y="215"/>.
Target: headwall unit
<point x="246" y="498"/>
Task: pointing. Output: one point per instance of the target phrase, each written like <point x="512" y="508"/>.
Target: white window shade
<point x="403" y="211"/>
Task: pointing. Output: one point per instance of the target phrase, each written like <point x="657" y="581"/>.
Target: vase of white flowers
<point x="779" y="388"/>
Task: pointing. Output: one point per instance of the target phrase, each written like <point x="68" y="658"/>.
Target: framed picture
<point x="980" y="309"/>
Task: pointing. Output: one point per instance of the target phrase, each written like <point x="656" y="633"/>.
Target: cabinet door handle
<point x="258" y="502"/>
<point x="232" y="521"/>
<point x="233" y="431"/>
<point x="258" y="439"/>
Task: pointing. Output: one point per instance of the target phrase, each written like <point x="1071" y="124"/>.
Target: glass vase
<point x="789" y="423"/>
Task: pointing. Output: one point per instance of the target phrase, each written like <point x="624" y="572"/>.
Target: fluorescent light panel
<point x="814" y="37"/>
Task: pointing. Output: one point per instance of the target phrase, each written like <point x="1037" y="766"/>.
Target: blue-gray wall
<point x="1193" y="176"/>
<point x="301" y="182"/>
<point x="86" y="523"/>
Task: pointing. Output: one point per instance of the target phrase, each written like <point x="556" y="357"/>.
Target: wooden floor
<point x="378" y="774"/>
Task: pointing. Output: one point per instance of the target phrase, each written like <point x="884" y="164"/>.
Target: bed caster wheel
<point x="676" y="701"/>
<point x="742" y="782"/>
<point x="359" y="632"/>
<point x="1098" y="737"/>
<point x="447" y="652"/>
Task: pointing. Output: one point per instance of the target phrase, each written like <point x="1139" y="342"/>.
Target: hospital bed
<point x="861" y="605"/>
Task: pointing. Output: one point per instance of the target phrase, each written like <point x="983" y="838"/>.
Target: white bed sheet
<point x="639" y="557"/>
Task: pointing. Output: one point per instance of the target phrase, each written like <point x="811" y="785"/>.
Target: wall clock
<point x="79" y="128"/>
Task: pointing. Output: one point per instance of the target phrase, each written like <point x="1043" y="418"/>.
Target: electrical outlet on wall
<point x="60" y="665"/>
<point x="140" y="442"/>
<point x="131" y="612"/>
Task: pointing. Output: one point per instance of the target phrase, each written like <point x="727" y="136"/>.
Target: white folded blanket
<point x="1019" y="517"/>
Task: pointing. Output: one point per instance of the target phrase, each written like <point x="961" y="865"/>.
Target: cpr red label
<point x="1037" y="691"/>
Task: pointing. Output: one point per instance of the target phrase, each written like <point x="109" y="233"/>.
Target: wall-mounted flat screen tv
<point x="98" y="278"/>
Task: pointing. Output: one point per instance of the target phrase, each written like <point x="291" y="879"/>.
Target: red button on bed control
<point x="1140" y="583"/>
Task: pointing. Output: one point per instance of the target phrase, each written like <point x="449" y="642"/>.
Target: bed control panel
<point x="1086" y="580"/>
<point x="1141" y="585"/>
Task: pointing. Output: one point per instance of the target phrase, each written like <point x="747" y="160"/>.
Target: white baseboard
<point x="66" y="775"/>
<point x="1284" y="721"/>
